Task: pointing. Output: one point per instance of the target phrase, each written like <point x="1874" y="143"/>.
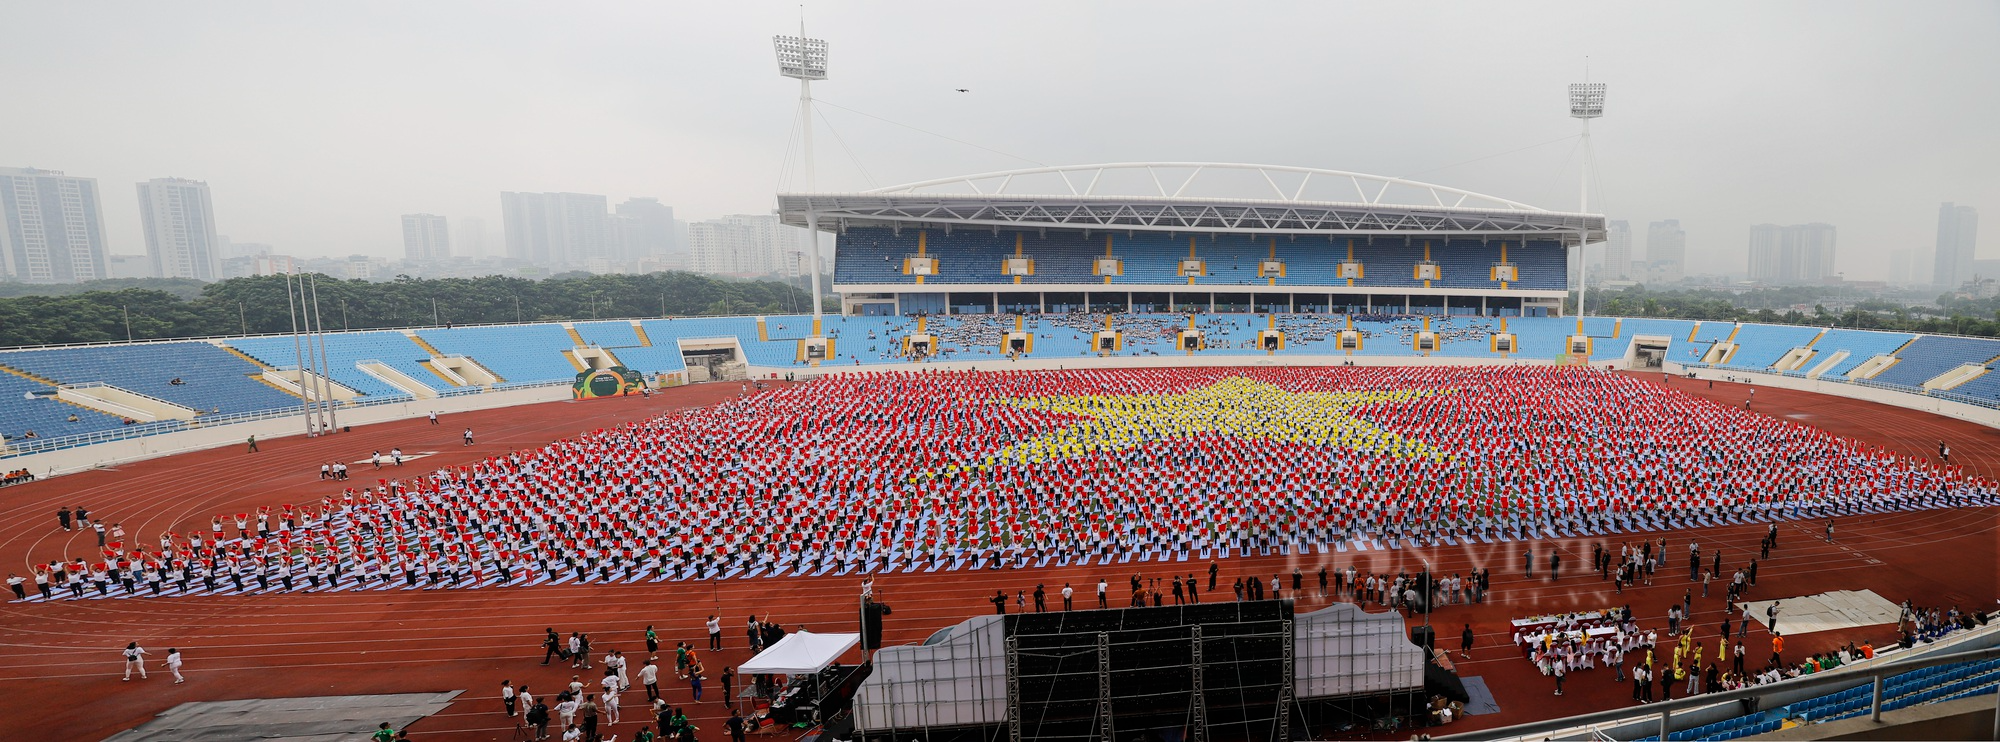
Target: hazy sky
<point x="317" y="124"/>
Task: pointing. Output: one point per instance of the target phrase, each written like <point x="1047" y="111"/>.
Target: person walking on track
<point x="135" y="659"/>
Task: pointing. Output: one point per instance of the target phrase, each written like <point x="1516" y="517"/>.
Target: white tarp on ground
<point x="1341" y="650"/>
<point x="1840" y="609"/>
<point x="799" y="653"/>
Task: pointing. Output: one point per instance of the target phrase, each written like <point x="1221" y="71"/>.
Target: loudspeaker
<point x="1423" y="636"/>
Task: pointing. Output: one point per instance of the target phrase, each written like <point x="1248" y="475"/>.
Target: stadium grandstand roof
<point x="1189" y="197"/>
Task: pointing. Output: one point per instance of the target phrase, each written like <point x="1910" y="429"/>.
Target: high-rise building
<point x="1814" y="246"/>
<point x="51" y="227"/>
<point x="1618" y="251"/>
<point x="179" y="223"/>
<point x="1957" y="235"/>
<point x="743" y="244"/>
<point x="425" y="237"/>
<point x="556" y="229"/>
<point x="1666" y="250"/>
<point x="1766" y="253"/>
<point x="1799" y="253"/>
<point x="646" y="230"/>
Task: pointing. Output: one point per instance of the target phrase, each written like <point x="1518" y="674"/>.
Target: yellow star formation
<point x="1235" y="406"/>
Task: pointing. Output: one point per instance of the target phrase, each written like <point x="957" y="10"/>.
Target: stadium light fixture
<point x="803" y="58"/>
<point x="1586" y="102"/>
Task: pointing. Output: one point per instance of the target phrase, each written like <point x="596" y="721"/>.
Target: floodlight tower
<point x="804" y="59"/>
<point x="1586" y="102"/>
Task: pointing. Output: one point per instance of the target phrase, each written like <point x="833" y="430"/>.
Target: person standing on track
<point x="507" y="697"/>
<point x="135" y="660"/>
<point x="173" y="664"/>
<point x="714" y="626"/>
<point x="1944" y="452"/>
<point x="253" y="445"/>
<point x="649" y="677"/>
<point x="468" y="436"/>
<point x="1465" y="642"/>
<point x="434" y="417"/>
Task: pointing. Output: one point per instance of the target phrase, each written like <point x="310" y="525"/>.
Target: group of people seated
<point x="908" y="470"/>
<point x="17" y="476"/>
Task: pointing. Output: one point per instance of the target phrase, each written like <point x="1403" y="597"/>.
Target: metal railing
<point x="25" y="446"/>
<point x="1877" y="675"/>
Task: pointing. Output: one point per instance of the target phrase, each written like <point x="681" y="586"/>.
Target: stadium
<point x="1121" y="452"/>
<point x="1216" y="382"/>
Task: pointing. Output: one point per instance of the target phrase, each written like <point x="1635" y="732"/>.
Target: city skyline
<point x="1770" y="124"/>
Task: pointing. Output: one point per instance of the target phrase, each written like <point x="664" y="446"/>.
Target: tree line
<point x="1950" y="315"/>
<point x="257" y="305"/>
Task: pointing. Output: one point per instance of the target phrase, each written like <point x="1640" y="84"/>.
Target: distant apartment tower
<point x="51" y="227"/>
<point x="742" y="244"/>
<point x="1799" y="253"/>
<point x="1666" y="250"/>
<point x="1767" y="244"/>
<point x="1957" y="234"/>
<point x="645" y="230"/>
<point x="425" y="237"/>
<point x="1618" y="251"/>
<point x="179" y="223"/>
<point x="556" y="229"/>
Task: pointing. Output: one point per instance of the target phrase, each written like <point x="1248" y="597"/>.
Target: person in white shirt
<point x="566" y="711"/>
<point x="714" y="626"/>
<point x="572" y="733"/>
<point x="174" y="665"/>
<point x="135" y="660"/>
<point x="649" y="677"/>
<point x="1067" y="591"/>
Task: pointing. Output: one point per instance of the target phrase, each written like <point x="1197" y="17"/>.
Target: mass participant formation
<point x="922" y="471"/>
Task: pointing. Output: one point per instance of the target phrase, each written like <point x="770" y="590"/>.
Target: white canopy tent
<point x="799" y="653"/>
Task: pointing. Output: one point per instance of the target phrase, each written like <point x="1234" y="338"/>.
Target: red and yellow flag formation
<point x="890" y="469"/>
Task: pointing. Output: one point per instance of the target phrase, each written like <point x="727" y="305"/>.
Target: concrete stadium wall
<point x="1906" y="400"/>
<point x="235" y="434"/>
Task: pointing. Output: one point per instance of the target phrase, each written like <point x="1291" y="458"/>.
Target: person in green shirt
<point x="652" y="640"/>
<point x="645" y="734"/>
<point x="383" y="733"/>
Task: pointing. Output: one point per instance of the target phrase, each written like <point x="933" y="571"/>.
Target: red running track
<point x="63" y="663"/>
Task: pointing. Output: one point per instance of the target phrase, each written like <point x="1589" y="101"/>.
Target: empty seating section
<point x="1928" y="685"/>
<point x="1149" y="257"/>
<point x="1983" y="389"/>
<point x="46" y="416"/>
<point x="874" y="255"/>
<point x="517" y="353"/>
<point x="213" y="380"/>
<point x="1706" y="334"/>
<point x="615" y="334"/>
<point x="1231" y="260"/>
<point x="1860" y="345"/>
<point x="1673" y="329"/>
<point x="1760" y="346"/>
<point x="1931" y="355"/>
<point x="343" y="351"/>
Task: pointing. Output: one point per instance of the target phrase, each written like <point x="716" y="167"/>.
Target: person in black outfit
<point x="1194" y="596"/>
<point x="734" y="726"/>
<point x="1465" y="642"/>
<point x="1211" y="575"/>
<point x="551" y="646"/>
<point x="999" y="602"/>
<point x="1555" y="564"/>
<point x="1041" y="598"/>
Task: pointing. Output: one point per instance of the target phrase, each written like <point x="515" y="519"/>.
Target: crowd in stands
<point x="941" y="470"/>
